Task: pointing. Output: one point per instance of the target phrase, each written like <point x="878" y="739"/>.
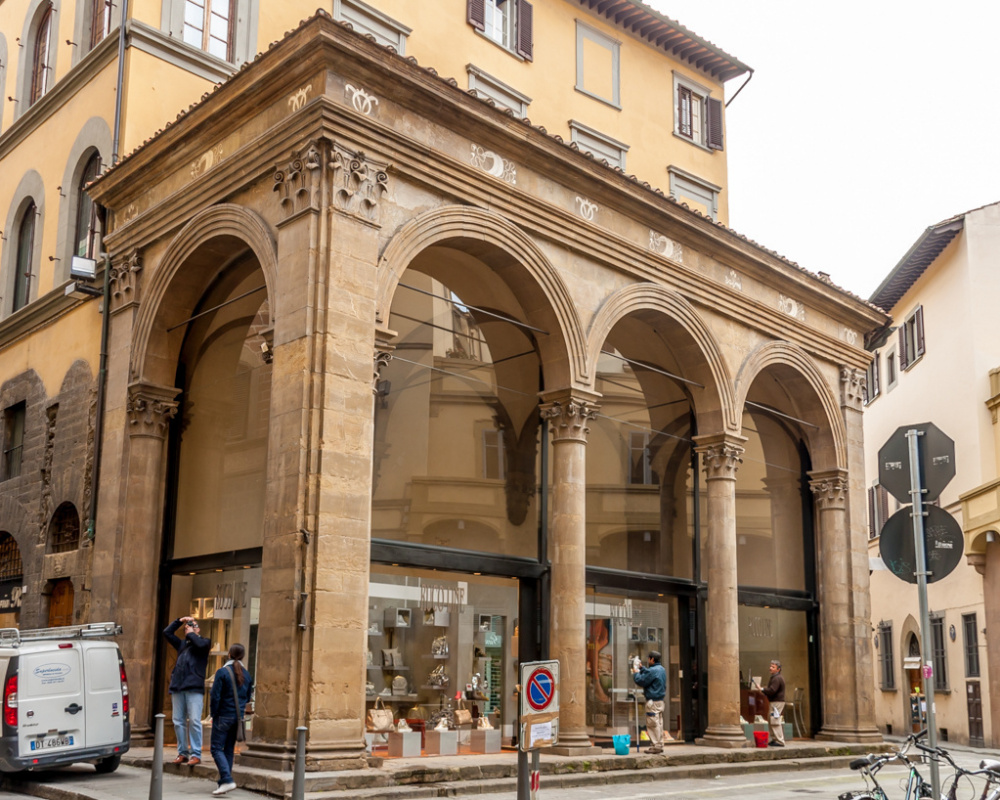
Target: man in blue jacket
<point x="187" y="687"/>
<point x="653" y="680"/>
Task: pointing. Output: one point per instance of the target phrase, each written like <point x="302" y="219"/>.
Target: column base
<point x="728" y="736"/>
<point x="832" y="733"/>
<point x="574" y="744"/>
<point x="142" y="737"/>
<point x="281" y="757"/>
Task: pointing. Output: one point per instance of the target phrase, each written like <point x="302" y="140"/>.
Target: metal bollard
<point x="299" y="776"/>
<point x="156" y="775"/>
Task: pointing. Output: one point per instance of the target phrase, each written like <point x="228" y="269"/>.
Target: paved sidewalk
<point x="445" y="776"/>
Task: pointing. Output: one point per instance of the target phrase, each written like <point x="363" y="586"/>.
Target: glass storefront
<point x="438" y="640"/>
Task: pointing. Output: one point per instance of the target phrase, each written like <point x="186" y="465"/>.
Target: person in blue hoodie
<point x="232" y="690"/>
<point x="187" y="687"/>
<point x="653" y="680"/>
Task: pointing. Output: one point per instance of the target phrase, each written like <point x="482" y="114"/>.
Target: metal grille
<point x="10" y="559"/>
<point x="64" y="530"/>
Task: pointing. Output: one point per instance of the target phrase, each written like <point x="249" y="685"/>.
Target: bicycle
<point x="869" y="766"/>
<point x="987" y="769"/>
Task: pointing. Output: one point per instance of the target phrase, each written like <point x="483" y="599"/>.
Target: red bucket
<point x="760" y="737"/>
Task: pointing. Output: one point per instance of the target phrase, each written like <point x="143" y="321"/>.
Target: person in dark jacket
<point x="232" y="690"/>
<point x="187" y="687"/>
<point x="775" y="692"/>
<point x="653" y="680"/>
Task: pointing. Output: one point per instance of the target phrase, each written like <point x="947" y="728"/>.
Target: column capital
<point x="722" y="454"/>
<point x="569" y="411"/>
<point x="123" y="279"/>
<point x="829" y="487"/>
<point x="150" y="408"/>
<point x="853" y="383"/>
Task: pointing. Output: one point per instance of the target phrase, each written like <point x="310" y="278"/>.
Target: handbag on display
<point x="463" y="716"/>
<point x="438" y="677"/>
<point x="379" y="718"/>
<point x="399" y="685"/>
<point x="403" y="726"/>
<point x="391" y="657"/>
<point x="369" y="688"/>
<point x="439" y="647"/>
<point x="483" y="723"/>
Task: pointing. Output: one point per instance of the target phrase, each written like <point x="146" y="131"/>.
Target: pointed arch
<point x="544" y="297"/>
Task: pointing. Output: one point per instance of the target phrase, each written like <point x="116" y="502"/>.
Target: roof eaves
<point x="918" y="258"/>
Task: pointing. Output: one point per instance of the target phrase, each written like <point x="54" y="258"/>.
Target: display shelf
<point x="393" y="698"/>
<point x="431" y="655"/>
<point x="387" y="667"/>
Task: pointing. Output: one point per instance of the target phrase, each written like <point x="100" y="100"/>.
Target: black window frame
<point x="873" y="378"/>
<point x="911" y="339"/>
<point x="970" y="641"/>
<point x="887" y="667"/>
<point x="13" y="440"/>
<point x="939" y="650"/>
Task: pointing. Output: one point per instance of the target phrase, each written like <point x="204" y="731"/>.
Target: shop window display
<point x="442" y="659"/>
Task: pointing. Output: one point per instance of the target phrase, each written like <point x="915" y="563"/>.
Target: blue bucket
<point x="622" y="744"/>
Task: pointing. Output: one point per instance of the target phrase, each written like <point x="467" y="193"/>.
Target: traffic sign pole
<point x="916" y="498"/>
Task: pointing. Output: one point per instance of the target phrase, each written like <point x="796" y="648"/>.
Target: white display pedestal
<point x="441" y="743"/>
<point x="485" y="741"/>
<point x="404" y="745"/>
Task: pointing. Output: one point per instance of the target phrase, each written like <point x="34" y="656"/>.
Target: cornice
<point x="40" y="314"/>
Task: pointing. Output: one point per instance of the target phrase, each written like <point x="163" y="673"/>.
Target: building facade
<point x="401" y="388"/>
<point x="938" y="296"/>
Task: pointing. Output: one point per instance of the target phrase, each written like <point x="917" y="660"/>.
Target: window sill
<point x="891" y="689"/>
<point x="693" y="143"/>
<point x="915" y="361"/>
<point x="598" y="98"/>
<point x="508" y="50"/>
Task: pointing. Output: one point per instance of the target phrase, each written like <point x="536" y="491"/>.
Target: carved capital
<point x="829" y="489"/>
<point x="721" y="455"/>
<point x="149" y="409"/>
<point x="568" y="417"/>
<point x="381" y="358"/>
<point x="297" y="181"/>
<point x="124" y="280"/>
<point x="357" y="184"/>
<point x="853" y="383"/>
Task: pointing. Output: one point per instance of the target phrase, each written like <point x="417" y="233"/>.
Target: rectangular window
<point x="640" y="460"/>
<point x="887" y="670"/>
<point x="697" y="115"/>
<point x="971" y="638"/>
<point x="100" y="20"/>
<point x="600" y="145"/>
<point x="891" y="373"/>
<point x="911" y="338"/>
<point x="598" y="70"/>
<point x="697" y="193"/>
<point x="493" y="455"/>
<point x="13" y="440"/>
<point x="873" y="378"/>
<point x="940" y="652"/>
<point x="367" y="20"/>
<point x="503" y="96"/>
<point x="878" y="509"/>
<point x="509" y="23"/>
<point x="208" y="25"/>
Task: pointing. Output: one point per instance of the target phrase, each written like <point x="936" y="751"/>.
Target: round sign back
<point x="943" y="543"/>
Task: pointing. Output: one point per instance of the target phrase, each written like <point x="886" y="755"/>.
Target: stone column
<point x="148" y="413"/>
<point x="568" y="414"/>
<point x="722" y="456"/>
<point x="848" y="677"/>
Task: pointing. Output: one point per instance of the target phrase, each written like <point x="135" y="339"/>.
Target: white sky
<point x="864" y="123"/>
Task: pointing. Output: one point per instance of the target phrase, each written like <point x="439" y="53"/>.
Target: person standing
<point x="231" y="692"/>
<point x="775" y="692"/>
<point x="187" y="687"/>
<point x="653" y="680"/>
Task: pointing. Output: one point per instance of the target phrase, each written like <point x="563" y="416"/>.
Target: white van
<point x="65" y="697"/>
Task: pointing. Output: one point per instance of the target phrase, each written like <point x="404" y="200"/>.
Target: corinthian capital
<point x="829" y="488"/>
<point x="149" y="409"/>
<point x="853" y="383"/>
<point x="569" y="415"/>
<point x="721" y="455"/>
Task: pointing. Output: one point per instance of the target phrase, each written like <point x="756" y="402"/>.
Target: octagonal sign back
<point x="937" y="462"/>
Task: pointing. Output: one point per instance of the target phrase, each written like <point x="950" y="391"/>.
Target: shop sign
<point x="10" y="596"/>
<point x="622" y="612"/>
<point x="229" y="596"/>
<point x="439" y="594"/>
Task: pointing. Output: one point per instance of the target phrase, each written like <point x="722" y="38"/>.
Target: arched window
<point x="64" y="529"/>
<point x="88" y="232"/>
<point x="40" y="58"/>
<point x="25" y="258"/>
<point x="10" y="559"/>
<point x="100" y="20"/>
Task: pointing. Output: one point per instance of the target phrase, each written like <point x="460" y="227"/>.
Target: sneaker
<point x="224" y="788"/>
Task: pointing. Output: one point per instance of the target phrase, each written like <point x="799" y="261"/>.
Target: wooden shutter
<point x="883" y="506"/>
<point x="40" y="57"/>
<point x="477" y="14"/>
<point x="904" y="356"/>
<point x="524" y="21"/>
<point x="918" y="331"/>
<point x="871" y="513"/>
<point x="713" y="114"/>
<point x="684" y="100"/>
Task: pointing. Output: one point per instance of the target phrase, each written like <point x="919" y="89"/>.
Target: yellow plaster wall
<point x="52" y="351"/>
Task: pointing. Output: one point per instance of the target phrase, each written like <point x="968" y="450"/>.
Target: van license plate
<point x="54" y="741"/>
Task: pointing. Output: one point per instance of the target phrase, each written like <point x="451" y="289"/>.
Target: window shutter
<point x="684" y="101"/>
<point x="876" y="376"/>
<point x="904" y="356"/>
<point x="918" y="331"/>
<point x="871" y="512"/>
<point x="477" y="14"/>
<point x="525" y="40"/>
<point x="713" y="112"/>
<point x="883" y="506"/>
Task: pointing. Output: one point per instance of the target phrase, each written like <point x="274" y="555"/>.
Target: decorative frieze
<point x="849" y="335"/>
<point x="149" y="410"/>
<point x="853" y="383"/>
<point x="206" y="161"/>
<point x="360" y="100"/>
<point x="586" y="208"/>
<point x="568" y="418"/>
<point x="298" y="98"/>
<point x="734" y="280"/>
<point x="792" y="307"/>
<point x="494" y="164"/>
<point x="664" y="246"/>
<point x="123" y="280"/>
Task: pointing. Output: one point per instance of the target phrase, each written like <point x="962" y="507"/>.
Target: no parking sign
<point x="539" y="705"/>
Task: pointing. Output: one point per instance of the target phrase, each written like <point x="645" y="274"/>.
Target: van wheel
<point x="107" y="765"/>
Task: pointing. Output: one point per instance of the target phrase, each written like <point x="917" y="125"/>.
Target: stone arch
<point x="828" y="440"/>
<point x="32" y="19"/>
<point x="155" y="347"/>
<point x="14" y="519"/>
<point x="545" y="297"/>
<point x="714" y="404"/>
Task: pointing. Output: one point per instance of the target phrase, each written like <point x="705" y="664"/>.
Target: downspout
<point x="744" y="86"/>
<point x="102" y="372"/>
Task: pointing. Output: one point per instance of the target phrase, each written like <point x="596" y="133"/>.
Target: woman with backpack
<point x="232" y="690"/>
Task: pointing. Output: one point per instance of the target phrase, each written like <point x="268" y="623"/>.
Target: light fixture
<point x="991" y="536"/>
<point x="81" y="291"/>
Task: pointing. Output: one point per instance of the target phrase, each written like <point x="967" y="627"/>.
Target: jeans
<point x="187" y="722"/>
<point x="223" y="747"/>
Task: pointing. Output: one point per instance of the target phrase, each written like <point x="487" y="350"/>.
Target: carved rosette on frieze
<point x="721" y="460"/>
<point x="357" y="184"/>
<point x="124" y="280"/>
<point x="297" y="181"/>
<point x="829" y="491"/>
<point x="568" y="418"/>
<point x="853" y="383"/>
<point x="149" y="410"/>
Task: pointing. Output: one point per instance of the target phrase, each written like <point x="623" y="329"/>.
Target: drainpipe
<point x="118" y="85"/>
<point x="744" y="86"/>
